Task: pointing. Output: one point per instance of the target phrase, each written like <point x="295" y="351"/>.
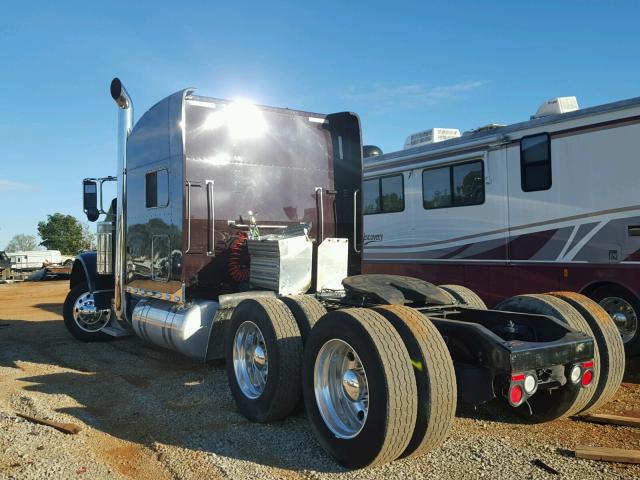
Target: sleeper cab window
<point x="383" y="194"/>
<point x="453" y="186"/>
<point x="157" y="188"/>
<point x="535" y="162"/>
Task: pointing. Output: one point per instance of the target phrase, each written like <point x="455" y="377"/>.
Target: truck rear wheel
<point x="547" y="405"/>
<point x="609" y="344"/>
<point x="624" y="309"/>
<point x="263" y="353"/>
<point x="306" y="310"/>
<point x="359" y="388"/>
<point x="463" y="296"/>
<point x="81" y="317"/>
<point x="434" y="374"/>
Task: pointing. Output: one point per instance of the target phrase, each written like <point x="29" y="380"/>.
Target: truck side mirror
<point x="90" y="199"/>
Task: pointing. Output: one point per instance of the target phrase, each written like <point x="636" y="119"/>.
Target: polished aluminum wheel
<point x="341" y="389"/>
<point x="624" y="316"/>
<point x="87" y="317"/>
<point x="250" y="360"/>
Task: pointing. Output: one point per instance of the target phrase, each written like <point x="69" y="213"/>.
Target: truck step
<point x="116" y="331"/>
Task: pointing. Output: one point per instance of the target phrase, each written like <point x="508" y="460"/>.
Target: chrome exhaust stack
<point x="125" y="126"/>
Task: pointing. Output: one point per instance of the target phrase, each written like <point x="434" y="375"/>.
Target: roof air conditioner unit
<point x="433" y="135"/>
<point x="557" y="105"/>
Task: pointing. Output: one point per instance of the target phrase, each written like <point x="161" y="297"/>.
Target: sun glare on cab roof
<point x="241" y="117"/>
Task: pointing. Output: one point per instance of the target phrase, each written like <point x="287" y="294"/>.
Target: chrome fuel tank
<point x="183" y="328"/>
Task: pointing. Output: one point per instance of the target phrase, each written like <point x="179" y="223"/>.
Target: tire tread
<point x="440" y="374"/>
<point x="610" y="348"/>
<point x="463" y="296"/>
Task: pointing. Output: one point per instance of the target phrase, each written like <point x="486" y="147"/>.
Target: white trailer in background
<point x="34" y="259"/>
<point x="548" y="204"/>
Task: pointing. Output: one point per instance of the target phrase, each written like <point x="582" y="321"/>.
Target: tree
<point x="88" y="237"/>
<point x="64" y="233"/>
<point x="21" y="242"/>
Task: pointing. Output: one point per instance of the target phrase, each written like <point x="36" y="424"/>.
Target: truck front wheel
<point x="81" y="317"/>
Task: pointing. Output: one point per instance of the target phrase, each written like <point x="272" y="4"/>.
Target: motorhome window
<point x="468" y="184"/>
<point x="384" y="195"/>
<point x="453" y="186"/>
<point x="371" y="195"/>
<point x="392" y="193"/>
<point x="157" y="188"/>
<point x="535" y="162"/>
<point x="436" y="188"/>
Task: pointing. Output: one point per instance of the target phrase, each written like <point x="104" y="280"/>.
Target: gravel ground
<point x="147" y="413"/>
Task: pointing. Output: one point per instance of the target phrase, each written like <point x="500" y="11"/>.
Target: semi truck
<point x="545" y="204"/>
<point x="236" y="234"/>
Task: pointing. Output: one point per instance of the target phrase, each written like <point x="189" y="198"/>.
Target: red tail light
<point x="516" y="395"/>
<point x="587" y="377"/>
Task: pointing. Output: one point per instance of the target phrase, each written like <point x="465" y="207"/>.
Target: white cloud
<point x="10" y="185"/>
<point x="415" y="94"/>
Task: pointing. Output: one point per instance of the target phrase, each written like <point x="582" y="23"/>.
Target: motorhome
<point x="33" y="259"/>
<point x="547" y="204"/>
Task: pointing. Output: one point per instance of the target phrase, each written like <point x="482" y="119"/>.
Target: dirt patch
<point x="151" y="414"/>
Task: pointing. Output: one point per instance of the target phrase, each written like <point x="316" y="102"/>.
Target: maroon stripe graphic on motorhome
<point x="611" y="243"/>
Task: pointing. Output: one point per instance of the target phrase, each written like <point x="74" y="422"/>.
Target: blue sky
<point x="403" y="66"/>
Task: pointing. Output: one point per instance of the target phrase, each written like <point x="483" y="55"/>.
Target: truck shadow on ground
<point x="143" y="394"/>
<point x="50" y="307"/>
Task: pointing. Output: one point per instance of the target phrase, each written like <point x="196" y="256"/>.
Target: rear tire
<point x="271" y="393"/>
<point x="608" y="297"/>
<point x="83" y="326"/>
<point x="434" y="374"/>
<point x="610" y="347"/>
<point x="387" y="381"/>
<point x="306" y="310"/>
<point x="569" y="399"/>
<point x="463" y="296"/>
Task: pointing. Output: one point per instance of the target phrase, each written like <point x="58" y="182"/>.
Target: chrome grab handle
<point x="211" y="216"/>
<point x="355" y="221"/>
<point x="188" y="217"/>
<point x="321" y="212"/>
<point x="243" y="226"/>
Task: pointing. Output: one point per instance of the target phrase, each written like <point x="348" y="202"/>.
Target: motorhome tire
<point x="547" y="405"/>
<point x="463" y="296"/>
<point x="364" y="411"/>
<point x="306" y="310"/>
<point x="263" y="354"/>
<point x="81" y="318"/>
<point x="434" y="374"/>
<point x="610" y="347"/>
<point x="617" y="301"/>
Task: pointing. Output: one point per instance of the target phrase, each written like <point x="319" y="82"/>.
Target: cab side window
<point x="157" y="188"/>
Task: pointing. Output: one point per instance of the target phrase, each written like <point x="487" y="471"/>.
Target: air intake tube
<point x="125" y="125"/>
